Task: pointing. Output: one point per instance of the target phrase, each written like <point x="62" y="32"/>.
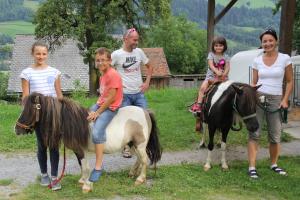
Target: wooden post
<point x="210" y="23"/>
<point x="288" y="9"/>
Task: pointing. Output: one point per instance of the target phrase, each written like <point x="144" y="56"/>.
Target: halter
<point x="234" y="107"/>
<point x="31" y="126"/>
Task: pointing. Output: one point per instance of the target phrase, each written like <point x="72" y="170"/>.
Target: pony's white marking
<point x="222" y="87"/>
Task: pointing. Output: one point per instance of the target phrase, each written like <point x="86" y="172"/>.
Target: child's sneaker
<point x="55" y="186"/>
<point x="45" y="180"/>
<point x="195" y="108"/>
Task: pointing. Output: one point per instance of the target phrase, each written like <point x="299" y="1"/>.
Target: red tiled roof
<point x="158" y="61"/>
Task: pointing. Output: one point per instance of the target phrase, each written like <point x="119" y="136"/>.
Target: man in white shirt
<point x="128" y="61"/>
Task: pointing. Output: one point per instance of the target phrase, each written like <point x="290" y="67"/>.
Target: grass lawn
<point x="12" y="28"/>
<point x="176" y="124"/>
<point x="252" y="3"/>
<point x="186" y="181"/>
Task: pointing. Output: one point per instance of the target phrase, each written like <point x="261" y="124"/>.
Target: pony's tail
<point x="153" y="148"/>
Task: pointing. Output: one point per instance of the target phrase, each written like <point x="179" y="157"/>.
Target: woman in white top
<point x="269" y="70"/>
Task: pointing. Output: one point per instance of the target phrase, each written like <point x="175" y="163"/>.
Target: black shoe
<point x="253" y="174"/>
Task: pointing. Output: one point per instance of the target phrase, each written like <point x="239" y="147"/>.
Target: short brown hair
<point x="39" y="44"/>
<point x="103" y="50"/>
<point x="219" y="40"/>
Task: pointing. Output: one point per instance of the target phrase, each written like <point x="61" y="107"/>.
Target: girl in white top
<point x="41" y="78"/>
<point x="268" y="70"/>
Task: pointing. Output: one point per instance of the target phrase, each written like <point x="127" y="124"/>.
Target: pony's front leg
<point x="143" y="159"/>
<point x="223" y="149"/>
<point x="210" y="147"/>
<point x="223" y="159"/>
<point x="85" y="171"/>
<point x="85" y="174"/>
<point x="202" y="141"/>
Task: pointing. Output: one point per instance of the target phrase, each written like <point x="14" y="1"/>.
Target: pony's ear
<point x="237" y="89"/>
<point x="256" y="87"/>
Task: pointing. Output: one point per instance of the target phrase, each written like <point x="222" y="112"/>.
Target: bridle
<point x="236" y="110"/>
<point x="31" y="126"/>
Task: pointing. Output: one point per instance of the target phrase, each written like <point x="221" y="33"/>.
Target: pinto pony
<point x="65" y="121"/>
<point x="221" y="104"/>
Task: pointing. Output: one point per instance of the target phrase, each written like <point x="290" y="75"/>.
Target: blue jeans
<point x="137" y="99"/>
<point x="102" y="121"/>
<point x="42" y="154"/>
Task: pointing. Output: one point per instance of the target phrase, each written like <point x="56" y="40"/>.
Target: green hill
<point x="33" y="5"/>
<point x="249" y="3"/>
<point x="12" y="28"/>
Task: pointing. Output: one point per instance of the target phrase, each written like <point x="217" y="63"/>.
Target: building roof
<point x="66" y="59"/>
<point x="158" y="61"/>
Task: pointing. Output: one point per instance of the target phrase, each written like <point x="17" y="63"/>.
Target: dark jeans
<point x="42" y="155"/>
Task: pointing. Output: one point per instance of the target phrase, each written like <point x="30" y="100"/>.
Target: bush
<point x="79" y="91"/>
<point x="3" y="84"/>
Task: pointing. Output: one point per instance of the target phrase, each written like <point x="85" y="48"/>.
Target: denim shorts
<point x="137" y="99"/>
<point x="271" y="116"/>
<point x="102" y="121"/>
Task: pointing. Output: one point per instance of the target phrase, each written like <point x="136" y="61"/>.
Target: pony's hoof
<point x="87" y="187"/>
<point x="206" y="167"/>
<point x="139" y="182"/>
<point x="225" y="168"/>
<point x="131" y="175"/>
<point x="81" y="181"/>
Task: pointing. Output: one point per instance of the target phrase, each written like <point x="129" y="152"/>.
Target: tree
<point x="91" y="21"/>
<point x="296" y="31"/>
<point x="294" y="5"/>
<point x="183" y="42"/>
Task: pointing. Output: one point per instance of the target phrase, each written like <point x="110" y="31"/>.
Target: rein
<point x="62" y="172"/>
<point x="235" y="109"/>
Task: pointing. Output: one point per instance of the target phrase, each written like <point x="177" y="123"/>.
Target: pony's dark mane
<point x="63" y="120"/>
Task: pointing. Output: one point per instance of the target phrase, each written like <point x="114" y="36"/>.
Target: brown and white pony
<point x="65" y="121"/>
<point x="221" y="104"/>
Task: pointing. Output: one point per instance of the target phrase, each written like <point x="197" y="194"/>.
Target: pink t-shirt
<point x="111" y="80"/>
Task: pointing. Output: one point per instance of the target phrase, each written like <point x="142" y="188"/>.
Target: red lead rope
<point x="62" y="173"/>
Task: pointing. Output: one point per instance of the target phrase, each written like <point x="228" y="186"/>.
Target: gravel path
<point x="23" y="168"/>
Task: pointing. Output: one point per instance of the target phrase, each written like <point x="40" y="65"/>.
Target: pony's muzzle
<point x="252" y="124"/>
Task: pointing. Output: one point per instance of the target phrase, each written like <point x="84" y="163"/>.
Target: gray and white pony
<point x="65" y="121"/>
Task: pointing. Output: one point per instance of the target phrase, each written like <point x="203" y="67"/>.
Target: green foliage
<point x="79" y="91"/>
<point x="296" y="31"/>
<point x="3" y="84"/>
<point x="185" y="181"/>
<point x="184" y="44"/>
<point x="14" y="10"/>
<point x="6" y="182"/>
<point x="5" y="39"/>
<point x="5" y="51"/>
